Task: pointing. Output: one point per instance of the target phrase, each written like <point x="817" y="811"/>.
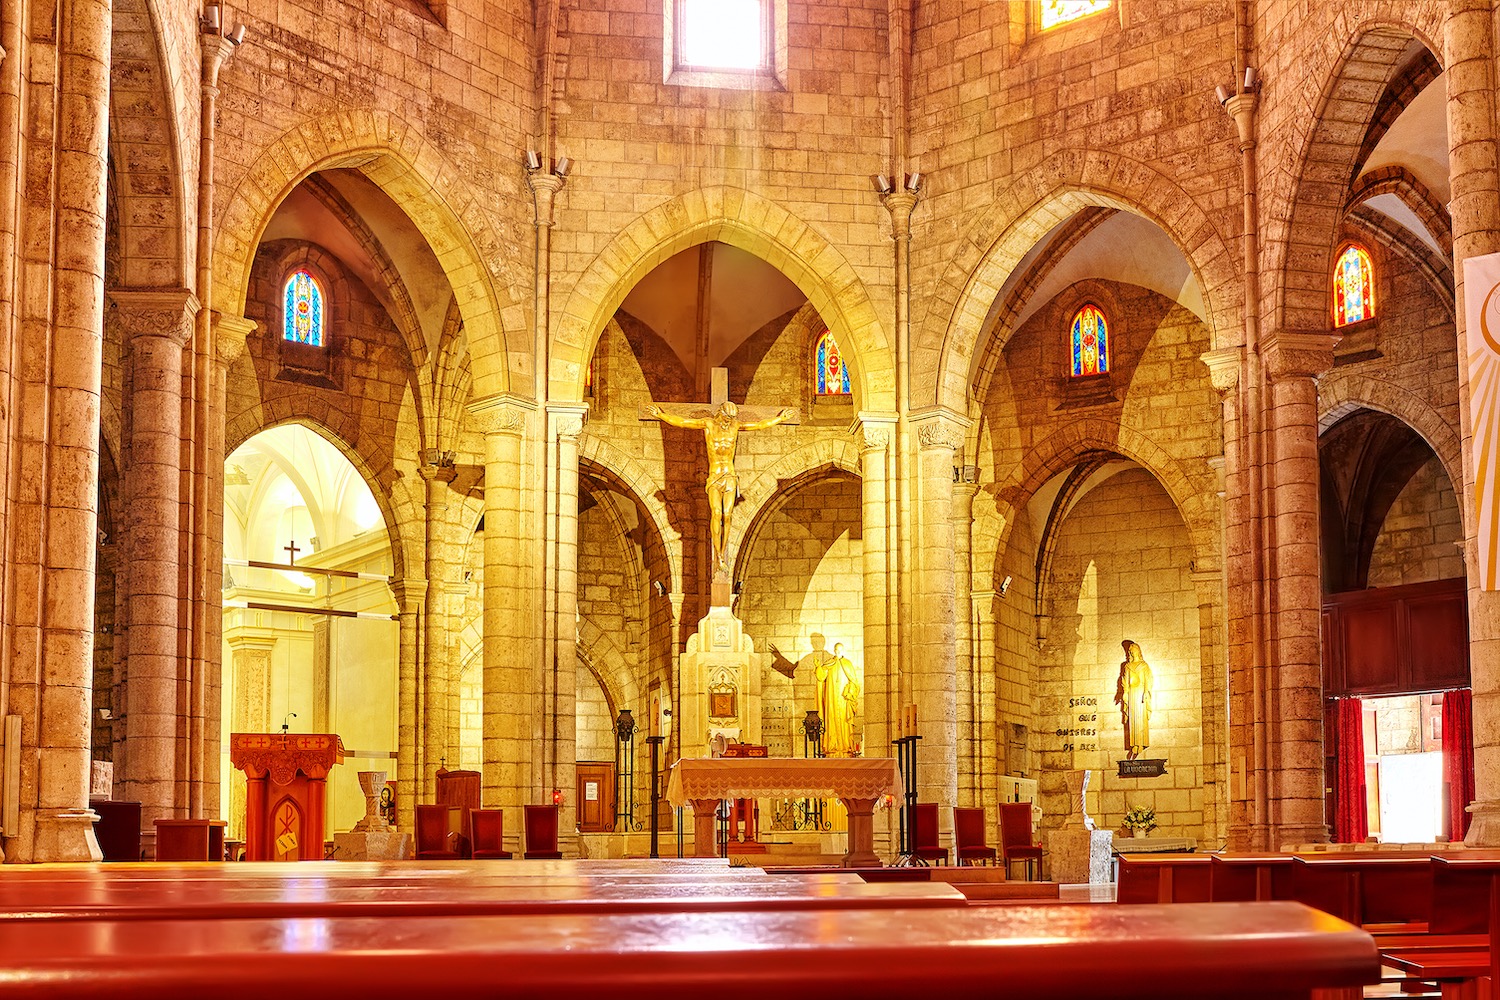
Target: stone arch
<point x="336" y="429"/>
<point x="792" y="473"/>
<point x="943" y="346"/>
<point x="426" y="185"/>
<point x="632" y="476"/>
<point x="1070" y="443"/>
<point x="147" y="122"/>
<point x="752" y="223"/>
<point x="1341" y="394"/>
<point x="606" y="662"/>
<point x="1301" y="264"/>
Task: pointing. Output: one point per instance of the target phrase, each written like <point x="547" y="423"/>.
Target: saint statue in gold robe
<point x="838" y="702"/>
<point x="1133" y="695"/>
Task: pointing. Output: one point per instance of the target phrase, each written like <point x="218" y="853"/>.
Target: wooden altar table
<point x="859" y="782"/>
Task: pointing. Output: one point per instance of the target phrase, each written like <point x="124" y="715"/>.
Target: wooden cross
<point x="721" y="423"/>
<point x="291" y="551"/>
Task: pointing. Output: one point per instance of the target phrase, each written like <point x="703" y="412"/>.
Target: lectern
<point x="288" y="785"/>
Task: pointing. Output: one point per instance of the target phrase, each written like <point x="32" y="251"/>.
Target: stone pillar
<point x="560" y="625"/>
<point x="1208" y="583"/>
<point x="965" y="487"/>
<point x="409" y="595"/>
<point x="53" y="427"/>
<point x="875" y="436"/>
<point x="250" y="704"/>
<point x="436" y="675"/>
<point x="932" y="681"/>
<point x="1293" y="677"/>
<point x="512" y="648"/>
<point x="156" y="326"/>
<point x="987" y="734"/>
<point x="1474" y="171"/>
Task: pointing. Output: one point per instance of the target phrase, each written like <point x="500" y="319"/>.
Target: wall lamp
<point x="1251" y="80"/>
<point x="883" y="184"/>
<point x="213" y="21"/>
<point x="533" y="161"/>
<point x="560" y="168"/>
<point x="914" y="182"/>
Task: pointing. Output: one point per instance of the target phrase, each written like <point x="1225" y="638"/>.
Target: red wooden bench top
<point x="328" y="895"/>
<point x="1261" y="950"/>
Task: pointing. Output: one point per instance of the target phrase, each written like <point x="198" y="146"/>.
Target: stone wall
<point x="596" y="725"/>
<point x="1121" y="571"/>
<point x="1420" y="538"/>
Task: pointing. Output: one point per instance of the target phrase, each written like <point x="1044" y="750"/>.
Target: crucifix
<point x="721" y="422"/>
<point x="291" y="550"/>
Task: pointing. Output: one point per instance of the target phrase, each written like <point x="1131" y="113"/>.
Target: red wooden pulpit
<point x="288" y="784"/>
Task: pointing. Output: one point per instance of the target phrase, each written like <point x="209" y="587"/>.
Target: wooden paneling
<point x="1393" y="640"/>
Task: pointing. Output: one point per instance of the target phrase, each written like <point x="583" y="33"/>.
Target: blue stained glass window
<point x="303" y="322"/>
<point x="1090" y="341"/>
<point x="1353" y="287"/>
<point x="833" y="374"/>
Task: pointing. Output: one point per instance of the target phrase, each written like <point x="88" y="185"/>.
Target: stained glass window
<point x="722" y="34"/>
<point x="1353" y="287"/>
<point x="303" y="322"/>
<point x="1090" y="341"/>
<point x="833" y="374"/>
<point x="1056" y="12"/>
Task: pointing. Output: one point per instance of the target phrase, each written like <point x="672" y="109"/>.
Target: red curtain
<point x="1458" y="758"/>
<point x="1351" y="820"/>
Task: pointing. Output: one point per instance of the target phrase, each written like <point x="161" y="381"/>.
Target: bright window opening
<point x="723" y="34"/>
<point x="303" y="322"/>
<point x="1055" y="13"/>
<point x="832" y="373"/>
<point x="1090" y="342"/>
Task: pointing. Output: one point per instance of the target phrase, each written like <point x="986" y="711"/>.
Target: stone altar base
<point x="1076" y="856"/>
<point x="391" y="846"/>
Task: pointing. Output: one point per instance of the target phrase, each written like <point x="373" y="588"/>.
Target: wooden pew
<point x="1378" y="890"/>
<point x="1163" y="878"/>
<point x="1464" y="973"/>
<point x="1238" y="878"/>
<point x="87" y="894"/>
<point x="1265" y="951"/>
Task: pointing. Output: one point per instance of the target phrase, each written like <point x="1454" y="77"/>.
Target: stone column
<point x="156" y="326"/>
<point x="560" y="626"/>
<point x="932" y="681"/>
<point x="987" y="734"/>
<point x="875" y="436"/>
<point x="1474" y="170"/>
<point x="435" y="679"/>
<point x="250" y="703"/>
<point x="965" y="487"/>
<point x="53" y="423"/>
<point x="512" y="648"/>
<point x="1293" y="673"/>
<point x="409" y="595"/>
<point x="1208" y="584"/>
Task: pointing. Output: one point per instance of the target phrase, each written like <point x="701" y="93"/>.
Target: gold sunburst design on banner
<point x="1484" y="404"/>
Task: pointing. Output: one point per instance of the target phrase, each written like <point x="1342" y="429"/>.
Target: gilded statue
<point x="1133" y="695"/>
<point x="838" y="702"/>
<point x="721" y="431"/>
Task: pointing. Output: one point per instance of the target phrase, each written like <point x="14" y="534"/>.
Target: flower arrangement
<point x="1141" y="818"/>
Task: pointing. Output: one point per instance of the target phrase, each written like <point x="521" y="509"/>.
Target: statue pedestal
<point x="721" y="673"/>
<point x="390" y="846"/>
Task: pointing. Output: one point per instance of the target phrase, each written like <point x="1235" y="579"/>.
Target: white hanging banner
<point x="1482" y="323"/>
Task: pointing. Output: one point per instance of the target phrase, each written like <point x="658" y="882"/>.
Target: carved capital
<point x="900" y="204"/>
<point x="545" y="185"/>
<point x="230" y="334"/>
<point x="1298" y="355"/>
<point x="409" y="594"/>
<point x="872" y="431"/>
<point x="1224" y="369"/>
<point x="502" y="413"/>
<point x="939" y="427"/>
<point x="155" y="312"/>
<point x="566" y="420"/>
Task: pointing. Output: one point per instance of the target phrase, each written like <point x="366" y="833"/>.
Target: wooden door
<point x="596" y="797"/>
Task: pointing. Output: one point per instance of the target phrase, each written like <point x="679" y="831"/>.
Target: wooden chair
<point x="541" y="832"/>
<point x="924" y="830"/>
<point x="433" y="843"/>
<point x="487" y="833"/>
<point x="968" y="836"/>
<point x="1015" y="837"/>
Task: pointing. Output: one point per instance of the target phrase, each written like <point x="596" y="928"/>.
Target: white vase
<point x="1138" y="833"/>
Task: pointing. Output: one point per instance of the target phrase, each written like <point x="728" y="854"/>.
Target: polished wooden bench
<point x="1237" y="878"/>
<point x="1265" y="951"/>
<point x="1464" y="969"/>
<point x="1163" y="878"/>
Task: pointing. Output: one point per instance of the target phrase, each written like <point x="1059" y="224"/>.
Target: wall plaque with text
<point x="1142" y="768"/>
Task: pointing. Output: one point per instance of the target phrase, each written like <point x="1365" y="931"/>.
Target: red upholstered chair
<point x="968" y="836"/>
<point x="541" y="832"/>
<point x="924" y="830"/>
<point x="1015" y="837"/>
<point x="487" y="833"/>
<point x="433" y="843"/>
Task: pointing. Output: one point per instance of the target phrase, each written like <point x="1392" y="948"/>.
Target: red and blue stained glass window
<point x="1090" y="341"/>
<point x="1353" y="287"/>
<point x="303" y="322"/>
<point x="833" y="374"/>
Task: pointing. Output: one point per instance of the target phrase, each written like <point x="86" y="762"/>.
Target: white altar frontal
<point x="859" y="782"/>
